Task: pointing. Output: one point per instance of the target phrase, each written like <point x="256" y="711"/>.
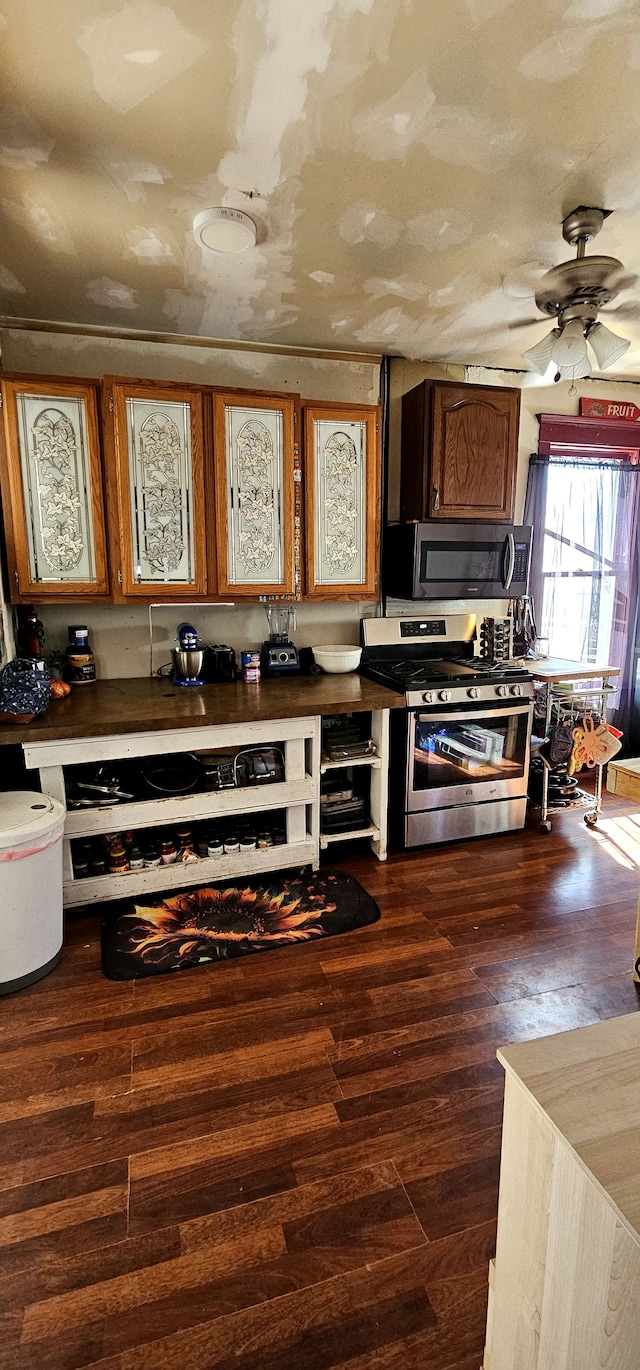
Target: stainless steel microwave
<point x="456" y="561"/>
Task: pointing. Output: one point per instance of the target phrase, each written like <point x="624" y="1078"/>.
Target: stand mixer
<point x="278" y="656"/>
<point x="187" y="658"/>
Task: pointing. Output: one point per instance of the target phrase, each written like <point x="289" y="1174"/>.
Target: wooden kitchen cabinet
<point x="255" y="457"/>
<point x="564" y="1289"/>
<point x="154" y="454"/>
<point x="459" y="452"/>
<point x="52" y="498"/>
<point x="342" y="500"/>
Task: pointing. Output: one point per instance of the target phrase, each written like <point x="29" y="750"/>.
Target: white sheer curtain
<point x="585" y="563"/>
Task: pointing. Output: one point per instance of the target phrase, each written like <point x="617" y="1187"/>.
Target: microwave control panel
<point x="521" y="561"/>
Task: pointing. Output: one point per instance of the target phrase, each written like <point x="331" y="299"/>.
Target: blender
<point x="278" y="655"/>
<point x="187" y="658"/>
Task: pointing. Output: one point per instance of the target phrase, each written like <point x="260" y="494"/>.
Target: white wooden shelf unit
<point x="378" y="762"/>
<point x="298" y="795"/>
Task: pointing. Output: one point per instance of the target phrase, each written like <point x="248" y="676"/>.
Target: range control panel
<point x="423" y="627"/>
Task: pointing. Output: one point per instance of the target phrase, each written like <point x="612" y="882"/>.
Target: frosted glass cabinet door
<point x="52" y="489"/>
<point x="157" y="433"/>
<point x="254" y="457"/>
<point x="342" y="503"/>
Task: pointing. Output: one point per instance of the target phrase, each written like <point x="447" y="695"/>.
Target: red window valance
<point x="566" y="435"/>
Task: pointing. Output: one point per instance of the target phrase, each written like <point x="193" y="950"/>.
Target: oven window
<point x="469" y="750"/>
<point x="456" y="561"/>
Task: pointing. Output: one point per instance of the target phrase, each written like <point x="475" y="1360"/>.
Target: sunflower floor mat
<point x="236" y="918"/>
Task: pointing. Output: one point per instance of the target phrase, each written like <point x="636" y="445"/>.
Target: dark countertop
<point x="133" y="706"/>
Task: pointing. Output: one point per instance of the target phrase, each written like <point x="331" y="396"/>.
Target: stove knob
<point x="444" y="695"/>
<point x="516" y="689"/>
<point x="428" y="697"/>
<point x="474" y="692"/>
<point x="502" y="690"/>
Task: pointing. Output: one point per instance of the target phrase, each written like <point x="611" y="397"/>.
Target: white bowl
<point x="337" y="659"/>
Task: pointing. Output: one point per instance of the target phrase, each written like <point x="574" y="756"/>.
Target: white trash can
<point x="31" y="920"/>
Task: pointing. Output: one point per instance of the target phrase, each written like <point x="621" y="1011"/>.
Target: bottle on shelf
<point x="80" y="666"/>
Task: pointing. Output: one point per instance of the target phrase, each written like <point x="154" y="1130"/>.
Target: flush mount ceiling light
<point x="224" y="230"/>
<point x="573" y="293"/>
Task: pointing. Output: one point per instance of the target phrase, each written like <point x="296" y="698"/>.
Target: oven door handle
<point x="508" y="560"/>
<point x="467" y="716"/>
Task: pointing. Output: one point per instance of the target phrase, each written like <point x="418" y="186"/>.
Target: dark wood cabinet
<point x="459" y="452"/>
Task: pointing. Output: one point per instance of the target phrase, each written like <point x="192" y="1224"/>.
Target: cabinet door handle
<point x="436" y="498"/>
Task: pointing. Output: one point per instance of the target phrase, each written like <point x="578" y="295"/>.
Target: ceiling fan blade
<point x="522" y="282"/>
<point x="524" y="323"/>
<point x="630" y="310"/>
<point x="621" y="280"/>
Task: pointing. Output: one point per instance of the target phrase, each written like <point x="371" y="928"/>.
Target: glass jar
<point x="118" y="860"/>
<point x="151" y="856"/>
<point x="168" y="851"/>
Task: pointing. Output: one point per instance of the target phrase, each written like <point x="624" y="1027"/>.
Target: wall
<point x="120" y="633"/>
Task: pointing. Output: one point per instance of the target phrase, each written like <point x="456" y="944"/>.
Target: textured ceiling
<point x="401" y="157"/>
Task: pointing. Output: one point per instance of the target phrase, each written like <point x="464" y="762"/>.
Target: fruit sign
<point x="609" y="409"/>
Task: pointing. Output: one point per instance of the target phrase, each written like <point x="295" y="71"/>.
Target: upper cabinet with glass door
<point x="52" y="489"/>
<point x="255" y="451"/>
<point x="155" y="445"/>
<point x="342" y="500"/>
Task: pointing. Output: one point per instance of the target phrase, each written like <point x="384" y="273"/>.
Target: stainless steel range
<point x="460" y="754"/>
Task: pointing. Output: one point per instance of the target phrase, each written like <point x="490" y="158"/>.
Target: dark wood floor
<point x="290" y="1162"/>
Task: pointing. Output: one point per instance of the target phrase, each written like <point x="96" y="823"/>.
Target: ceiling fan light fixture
<point x="224" y="230"/>
<point x="576" y="371"/>
<point x="539" y="356"/>
<point x="607" y="346"/>
<point x="570" y="348"/>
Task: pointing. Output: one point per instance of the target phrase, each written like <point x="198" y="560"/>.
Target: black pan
<point x="165" y="777"/>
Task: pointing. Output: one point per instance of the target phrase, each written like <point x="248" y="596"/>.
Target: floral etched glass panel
<point x="254" y="495"/>
<point x="54" y="455"/>
<point x="340" y="502"/>
<point x="161" y="491"/>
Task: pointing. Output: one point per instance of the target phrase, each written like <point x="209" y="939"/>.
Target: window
<point x="584" y="513"/>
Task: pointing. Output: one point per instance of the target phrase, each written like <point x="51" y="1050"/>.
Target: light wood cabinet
<point x="255" y="452"/>
<point x="564" y="1290"/>
<point x="204" y="488"/>
<point x="52" y="489"/>
<point x="459" y="452"/>
<point x="342" y="500"/>
<point x="155" y="458"/>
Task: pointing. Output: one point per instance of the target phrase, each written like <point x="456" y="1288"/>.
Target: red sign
<point x="609" y="409"/>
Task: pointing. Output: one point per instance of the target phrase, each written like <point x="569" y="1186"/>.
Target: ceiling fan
<point x="574" y="293"/>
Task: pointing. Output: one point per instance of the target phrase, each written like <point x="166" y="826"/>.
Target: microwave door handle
<point x="509" y="560"/>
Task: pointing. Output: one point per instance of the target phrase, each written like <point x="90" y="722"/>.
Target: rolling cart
<point x="577" y="700"/>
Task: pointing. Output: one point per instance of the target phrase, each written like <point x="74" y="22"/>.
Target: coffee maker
<point x="188" y="657"/>
<point x="278" y="656"/>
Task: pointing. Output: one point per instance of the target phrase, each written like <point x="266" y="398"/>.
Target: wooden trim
<point x="569" y="431"/>
<point x="83" y="330"/>
<point x="22" y="587"/>
<point x="369" y="414"/>
<point x="117" y="452"/>
<point x="223" y="399"/>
